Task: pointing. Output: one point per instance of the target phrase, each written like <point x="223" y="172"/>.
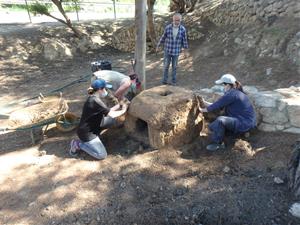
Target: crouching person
<point x="239" y="113"/>
<point x="95" y="117"/>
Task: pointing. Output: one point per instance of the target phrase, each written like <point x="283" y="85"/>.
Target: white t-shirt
<point x="111" y="77"/>
<point x="175" y="32"/>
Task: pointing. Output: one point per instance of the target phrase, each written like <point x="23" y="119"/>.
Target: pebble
<point x="278" y="180"/>
<point x="295" y="210"/>
<point x="226" y="169"/>
<point x="123" y="185"/>
<point x="32" y="204"/>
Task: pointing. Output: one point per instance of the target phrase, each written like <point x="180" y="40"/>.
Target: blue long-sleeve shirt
<point x="237" y="105"/>
<point x="173" y="45"/>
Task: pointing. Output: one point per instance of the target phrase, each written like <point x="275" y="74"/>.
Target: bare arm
<point x="119" y="94"/>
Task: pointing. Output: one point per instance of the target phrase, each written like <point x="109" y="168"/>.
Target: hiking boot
<point x="214" y="147"/>
<point x="74" y="148"/>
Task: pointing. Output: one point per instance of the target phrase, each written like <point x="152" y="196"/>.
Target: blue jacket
<point x="237" y="105"/>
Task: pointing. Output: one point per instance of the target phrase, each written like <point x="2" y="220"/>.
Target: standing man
<point x="173" y="39"/>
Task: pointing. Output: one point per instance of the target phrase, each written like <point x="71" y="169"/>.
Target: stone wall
<point x="277" y="110"/>
<point x="243" y="12"/>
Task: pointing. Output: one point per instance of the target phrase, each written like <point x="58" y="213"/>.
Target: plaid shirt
<point x="173" y="47"/>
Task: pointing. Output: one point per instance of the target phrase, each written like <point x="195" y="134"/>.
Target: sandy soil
<point x="41" y="184"/>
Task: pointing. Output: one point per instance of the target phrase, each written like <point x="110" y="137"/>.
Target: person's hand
<point x="125" y="107"/>
<point x="202" y="110"/>
<point x="185" y="53"/>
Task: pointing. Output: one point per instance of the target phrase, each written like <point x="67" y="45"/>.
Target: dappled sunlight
<point x="12" y="160"/>
<point x="137" y="183"/>
<point x="58" y="187"/>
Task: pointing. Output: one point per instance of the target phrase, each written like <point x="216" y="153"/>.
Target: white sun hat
<point x="226" y="78"/>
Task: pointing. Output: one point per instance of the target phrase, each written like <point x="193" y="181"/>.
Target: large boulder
<point x="55" y="49"/>
<point x="165" y="115"/>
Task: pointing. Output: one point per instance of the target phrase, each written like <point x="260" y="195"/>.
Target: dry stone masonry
<point x="277" y="110"/>
<point x="243" y="12"/>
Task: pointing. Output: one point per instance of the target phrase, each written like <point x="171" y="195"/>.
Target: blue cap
<point x="100" y="84"/>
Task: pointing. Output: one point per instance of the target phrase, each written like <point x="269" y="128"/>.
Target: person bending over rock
<point x="239" y="114"/>
<point x="121" y="83"/>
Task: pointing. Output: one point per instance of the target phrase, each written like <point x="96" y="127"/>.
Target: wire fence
<point x="82" y="11"/>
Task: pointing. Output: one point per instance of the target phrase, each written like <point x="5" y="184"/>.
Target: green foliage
<point x="39" y="8"/>
<point x="42" y="8"/>
<point x="14" y="7"/>
<point x="71" y="7"/>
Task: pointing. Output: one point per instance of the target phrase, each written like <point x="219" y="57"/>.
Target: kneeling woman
<point x="239" y="113"/>
<point x="95" y="117"/>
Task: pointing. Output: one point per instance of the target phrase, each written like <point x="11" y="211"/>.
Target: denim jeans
<point x="220" y="126"/>
<point x="95" y="147"/>
<point x="167" y="61"/>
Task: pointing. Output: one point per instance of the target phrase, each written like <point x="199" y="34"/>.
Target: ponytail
<point x="91" y="91"/>
<point x="239" y="86"/>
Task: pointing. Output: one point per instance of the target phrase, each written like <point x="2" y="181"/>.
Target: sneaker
<point x="164" y="83"/>
<point x="74" y="148"/>
<point x="214" y="147"/>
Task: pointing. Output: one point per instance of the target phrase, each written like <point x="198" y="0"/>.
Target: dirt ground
<point x="42" y="184"/>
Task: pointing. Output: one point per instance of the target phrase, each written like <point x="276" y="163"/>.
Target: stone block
<point x="266" y="99"/>
<point x="165" y="115"/>
<point x="293" y="130"/>
<point x="250" y="90"/>
<point x="281" y="105"/>
<point x="279" y="127"/>
<point x="271" y="115"/>
<point x="267" y="127"/>
<point x="289" y="92"/>
<point x="293" y="109"/>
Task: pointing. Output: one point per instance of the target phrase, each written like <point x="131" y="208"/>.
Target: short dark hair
<point x="132" y="76"/>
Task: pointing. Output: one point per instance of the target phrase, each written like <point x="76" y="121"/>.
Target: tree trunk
<point x="151" y="28"/>
<point x="140" y="40"/>
<point x="294" y="171"/>
<point x="67" y="19"/>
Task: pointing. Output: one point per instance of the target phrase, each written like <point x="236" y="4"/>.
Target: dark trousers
<point x="221" y="125"/>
